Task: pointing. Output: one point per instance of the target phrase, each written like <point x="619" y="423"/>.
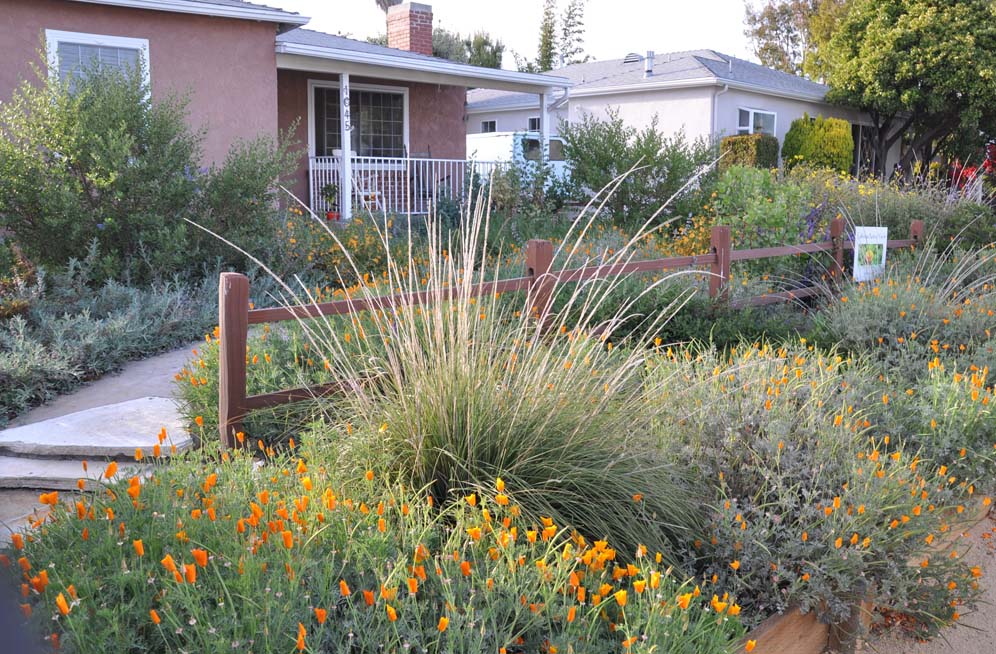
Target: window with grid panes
<point x="378" y="119"/>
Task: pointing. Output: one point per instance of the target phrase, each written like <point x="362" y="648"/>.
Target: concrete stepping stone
<point x="113" y="431"/>
<point x="56" y="474"/>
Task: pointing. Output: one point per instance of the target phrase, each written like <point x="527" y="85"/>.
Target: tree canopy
<point x="477" y="50"/>
<point x="921" y="65"/>
<point x="557" y="47"/>
<point x="789" y="35"/>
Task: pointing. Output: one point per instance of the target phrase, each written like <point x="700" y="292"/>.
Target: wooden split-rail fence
<point x="235" y="315"/>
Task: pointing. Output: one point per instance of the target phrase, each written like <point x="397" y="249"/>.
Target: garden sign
<point x="869" y="252"/>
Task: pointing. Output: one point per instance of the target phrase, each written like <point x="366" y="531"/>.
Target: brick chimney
<point x="409" y="27"/>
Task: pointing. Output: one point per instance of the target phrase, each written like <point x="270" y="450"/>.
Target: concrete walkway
<point x="146" y="378"/>
<point x="109" y="418"/>
<point x="977" y="632"/>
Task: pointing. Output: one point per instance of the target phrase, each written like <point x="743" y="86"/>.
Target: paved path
<point x="108" y="418"/>
<point x="977" y="632"/>
<point x="146" y="378"/>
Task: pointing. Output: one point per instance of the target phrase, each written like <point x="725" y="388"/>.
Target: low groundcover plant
<point x="212" y="553"/>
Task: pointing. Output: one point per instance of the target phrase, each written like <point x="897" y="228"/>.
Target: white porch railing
<point x="395" y="185"/>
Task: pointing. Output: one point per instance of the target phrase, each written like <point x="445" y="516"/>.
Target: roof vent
<point x="648" y="64"/>
<point x="632" y="58"/>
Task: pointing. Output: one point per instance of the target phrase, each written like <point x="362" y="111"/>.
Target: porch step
<point x="113" y="431"/>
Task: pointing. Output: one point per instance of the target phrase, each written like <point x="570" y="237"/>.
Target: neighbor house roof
<point x="303" y="49"/>
<point x="670" y="70"/>
<point x="219" y="8"/>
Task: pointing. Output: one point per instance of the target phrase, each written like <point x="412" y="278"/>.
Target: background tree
<point x="572" y="33"/>
<point x="565" y="46"/>
<point x="546" y="54"/>
<point x="478" y="50"/>
<point x="788" y="34"/>
<point x="484" y="51"/>
<point x="779" y="30"/>
<point x="448" y="45"/>
<point x="387" y="4"/>
<point x="925" y="66"/>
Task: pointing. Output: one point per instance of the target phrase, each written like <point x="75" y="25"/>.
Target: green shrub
<point x="658" y="166"/>
<point x="811" y="509"/>
<point x="19" y="280"/>
<point x="97" y="160"/>
<point x="820" y="143"/>
<point x="76" y="331"/>
<point x="286" y="557"/>
<point x="763" y="210"/>
<point x="751" y="150"/>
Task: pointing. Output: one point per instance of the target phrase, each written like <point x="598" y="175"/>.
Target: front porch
<point x="389" y="185"/>
<point x="385" y="128"/>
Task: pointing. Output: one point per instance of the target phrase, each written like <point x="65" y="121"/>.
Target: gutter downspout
<point x="715" y="109"/>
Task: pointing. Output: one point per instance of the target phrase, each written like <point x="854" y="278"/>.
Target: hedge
<point x="819" y="142"/>
<point x="754" y="150"/>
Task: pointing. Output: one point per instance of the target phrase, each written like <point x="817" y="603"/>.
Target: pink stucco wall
<point x="435" y="116"/>
<point x="226" y="66"/>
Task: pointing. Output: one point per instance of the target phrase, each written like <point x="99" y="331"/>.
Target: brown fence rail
<point x="235" y="315"/>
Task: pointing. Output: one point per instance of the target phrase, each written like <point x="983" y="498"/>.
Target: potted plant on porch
<point x="330" y="193"/>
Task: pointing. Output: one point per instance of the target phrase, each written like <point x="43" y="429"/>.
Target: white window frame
<point x="494" y="124"/>
<point x="54" y="37"/>
<point x="331" y="84"/>
<point x="529" y="120"/>
<point x="750" y="119"/>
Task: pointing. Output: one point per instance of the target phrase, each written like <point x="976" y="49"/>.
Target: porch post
<point x="544" y="129"/>
<point x="346" y="164"/>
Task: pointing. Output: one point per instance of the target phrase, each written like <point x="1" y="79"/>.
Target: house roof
<point x="220" y="8"/>
<point x="670" y="70"/>
<point x="302" y="48"/>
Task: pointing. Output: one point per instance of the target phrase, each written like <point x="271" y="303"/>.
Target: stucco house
<point x="703" y="92"/>
<point x="383" y="126"/>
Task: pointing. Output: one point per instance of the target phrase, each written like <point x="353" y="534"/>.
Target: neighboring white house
<point x="702" y="92"/>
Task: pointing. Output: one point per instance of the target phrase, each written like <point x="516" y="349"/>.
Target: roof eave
<point x="698" y="82"/>
<point x="286" y="20"/>
<point x="472" y="75"/>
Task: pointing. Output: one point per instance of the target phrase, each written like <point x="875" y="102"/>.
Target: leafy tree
<point x="555" y="48"/>
<point x="547" y="52"/>
<point x="483" y="51"/>
<point x="572" y="33"/>
<point x="923" y="65"/>
<point x="788" y="34"/>
<point x="478" y="50"/>
<point x="448" y="45"/>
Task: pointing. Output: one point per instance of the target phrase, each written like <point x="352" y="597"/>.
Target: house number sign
<point x="347" y="123"/>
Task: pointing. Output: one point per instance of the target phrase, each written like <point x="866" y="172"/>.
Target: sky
<point x="613" y="27"/>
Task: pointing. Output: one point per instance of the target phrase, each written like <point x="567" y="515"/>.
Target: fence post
<point x="539" y="260"/>
<point x="916" y="231"/>
<point x="719" y="280"/>
<point x="837" y="238"/>
<point x="233" y="324"/>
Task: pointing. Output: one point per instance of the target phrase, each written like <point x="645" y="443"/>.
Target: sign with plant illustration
<point x="869" y="252"/>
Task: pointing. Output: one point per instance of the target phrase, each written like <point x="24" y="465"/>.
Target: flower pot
<point x="331" y="215"/>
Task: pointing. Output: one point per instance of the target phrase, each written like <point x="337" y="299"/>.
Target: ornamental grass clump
<point x="453" y="393"/>
<point x="215" y="552"/>
<point x="814" y="506"/>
